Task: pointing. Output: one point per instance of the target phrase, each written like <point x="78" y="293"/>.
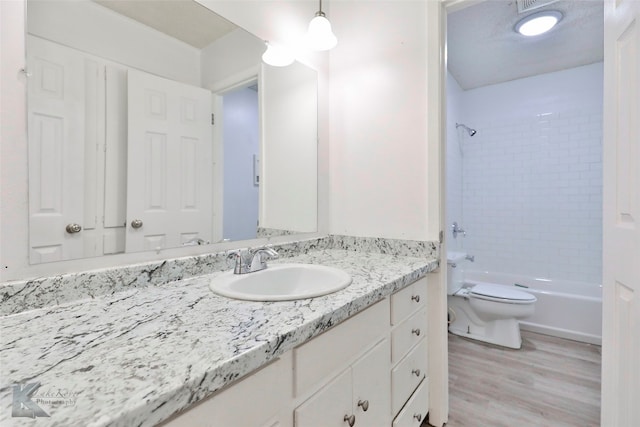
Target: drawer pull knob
<point x="416" y="372"/>
<point x="418" y="417"/>
<point x="364" y="404"/>
<point x="416" y="298"/>
<point x="416" y="331"/>
<point x="351" y="419"/>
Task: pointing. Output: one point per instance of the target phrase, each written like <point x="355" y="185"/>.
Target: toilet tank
<point x="455" y="275"/>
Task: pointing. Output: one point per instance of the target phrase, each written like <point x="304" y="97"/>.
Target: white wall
<point x="533" y="175"/>
<point x="91" y="28"/>
<point x="288" y="196"/>
<point x="240" y="205"/>
<point x="222" y="61"/>
<point x="378" y="101"/>
<point x="454" y="155"/>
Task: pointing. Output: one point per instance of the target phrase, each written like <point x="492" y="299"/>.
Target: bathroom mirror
<point x="154" y="124"/>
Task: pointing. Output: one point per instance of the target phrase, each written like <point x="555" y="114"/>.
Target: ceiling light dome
<point x="538" y="23"/>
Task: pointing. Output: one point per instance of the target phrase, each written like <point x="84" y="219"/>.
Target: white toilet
<point x="483" y="311"/>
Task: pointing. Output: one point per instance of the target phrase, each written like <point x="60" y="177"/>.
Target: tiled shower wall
<point x="532" y="176"/>
<point x="455" y="138"/>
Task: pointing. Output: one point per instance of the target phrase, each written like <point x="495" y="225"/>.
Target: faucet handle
<point x="238" y="259"/>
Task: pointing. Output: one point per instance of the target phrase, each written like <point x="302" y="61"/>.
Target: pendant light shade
<point x="319" y="35"/>
<point x="277" y="56"/>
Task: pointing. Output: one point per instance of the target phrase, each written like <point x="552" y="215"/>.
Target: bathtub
<point x="564" y="309"/>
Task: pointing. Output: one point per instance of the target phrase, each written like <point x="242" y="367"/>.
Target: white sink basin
<point x="281" y="282"/>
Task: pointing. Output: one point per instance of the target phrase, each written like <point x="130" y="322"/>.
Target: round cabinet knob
<point x="364" y="404"/>
<point x="416" y="298"/>
<point x="73" y="228"/>
<point x="136" y="223"/>
<point x="416" y="331"/>
<point x="416" y="372"/>
<point x="350" y="419"/>
<point x="418" y="417"/>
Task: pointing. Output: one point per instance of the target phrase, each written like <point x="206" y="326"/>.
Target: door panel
<point x="56" y="121"/>
<point x="621" y="239"/>
<point x="169" y="163"/>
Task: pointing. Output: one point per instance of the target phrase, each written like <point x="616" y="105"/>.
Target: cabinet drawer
<point x="414" y="413"/>
<point x="407" y="334"/>
<point x="408" y="300"/>
<point x="406" y="376"/>
<point x="316" y="360"/>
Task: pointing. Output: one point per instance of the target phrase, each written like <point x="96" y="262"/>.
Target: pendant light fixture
<point x="277" y="56"/>
<point x="319" y="35"/>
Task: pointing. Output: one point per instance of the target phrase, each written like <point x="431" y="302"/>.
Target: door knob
<point x="350" y="419"/>
<point x="136" y="223"/>
<point x="73" y="228"/>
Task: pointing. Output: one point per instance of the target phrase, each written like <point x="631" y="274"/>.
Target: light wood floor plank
<point x="549" y="382"/>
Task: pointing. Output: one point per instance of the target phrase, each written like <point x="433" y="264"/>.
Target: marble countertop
<point x="136" y="357"/>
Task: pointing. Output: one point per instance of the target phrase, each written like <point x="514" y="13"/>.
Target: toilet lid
<point x="501" y="293"/>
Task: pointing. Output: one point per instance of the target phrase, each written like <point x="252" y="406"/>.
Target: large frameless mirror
<point x="155" y="124"/>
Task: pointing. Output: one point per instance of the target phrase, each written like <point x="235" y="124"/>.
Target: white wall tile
<point x="532" y="175"/>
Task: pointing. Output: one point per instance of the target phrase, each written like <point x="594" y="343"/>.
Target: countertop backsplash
<point x="23" y="295"/>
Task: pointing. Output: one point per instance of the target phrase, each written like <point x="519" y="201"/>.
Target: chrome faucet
<point x="252" y="260"/>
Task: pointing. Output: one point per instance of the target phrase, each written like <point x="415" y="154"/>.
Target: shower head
<point x="469" y="130"/>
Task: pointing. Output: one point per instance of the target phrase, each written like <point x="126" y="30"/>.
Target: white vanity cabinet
<point x="359" y="396"/>
<point x="342" y="376"/>
<point x="369" y="371"/>
<point x="409" y="364"/>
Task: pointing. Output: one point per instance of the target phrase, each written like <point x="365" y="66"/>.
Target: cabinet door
<point x="371" y="385"/>
<point x="260" y="399"/>
<point x="329" y="406"/>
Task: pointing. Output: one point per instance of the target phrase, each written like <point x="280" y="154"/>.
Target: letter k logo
<point x="23" y="406"/>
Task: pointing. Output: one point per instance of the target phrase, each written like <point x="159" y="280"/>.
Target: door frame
<point x="237" y="80"/>
<point x="441" y="10"/>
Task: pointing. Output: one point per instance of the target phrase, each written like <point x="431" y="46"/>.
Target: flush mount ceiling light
<point x="538" y="23"/>
<point x="319" y="35"/>
<point x="277" y="56"/>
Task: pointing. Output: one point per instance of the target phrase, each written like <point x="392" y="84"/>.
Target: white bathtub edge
<point x="561" y="333"/>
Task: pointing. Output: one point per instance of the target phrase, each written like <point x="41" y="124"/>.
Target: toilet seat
<point x="502" y="294"/>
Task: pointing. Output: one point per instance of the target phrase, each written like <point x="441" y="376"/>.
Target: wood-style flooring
<point x="549" y="382"/>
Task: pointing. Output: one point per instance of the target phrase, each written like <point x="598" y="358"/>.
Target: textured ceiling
<point x="483" y="48"/>
<point x="184" y="20"/>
